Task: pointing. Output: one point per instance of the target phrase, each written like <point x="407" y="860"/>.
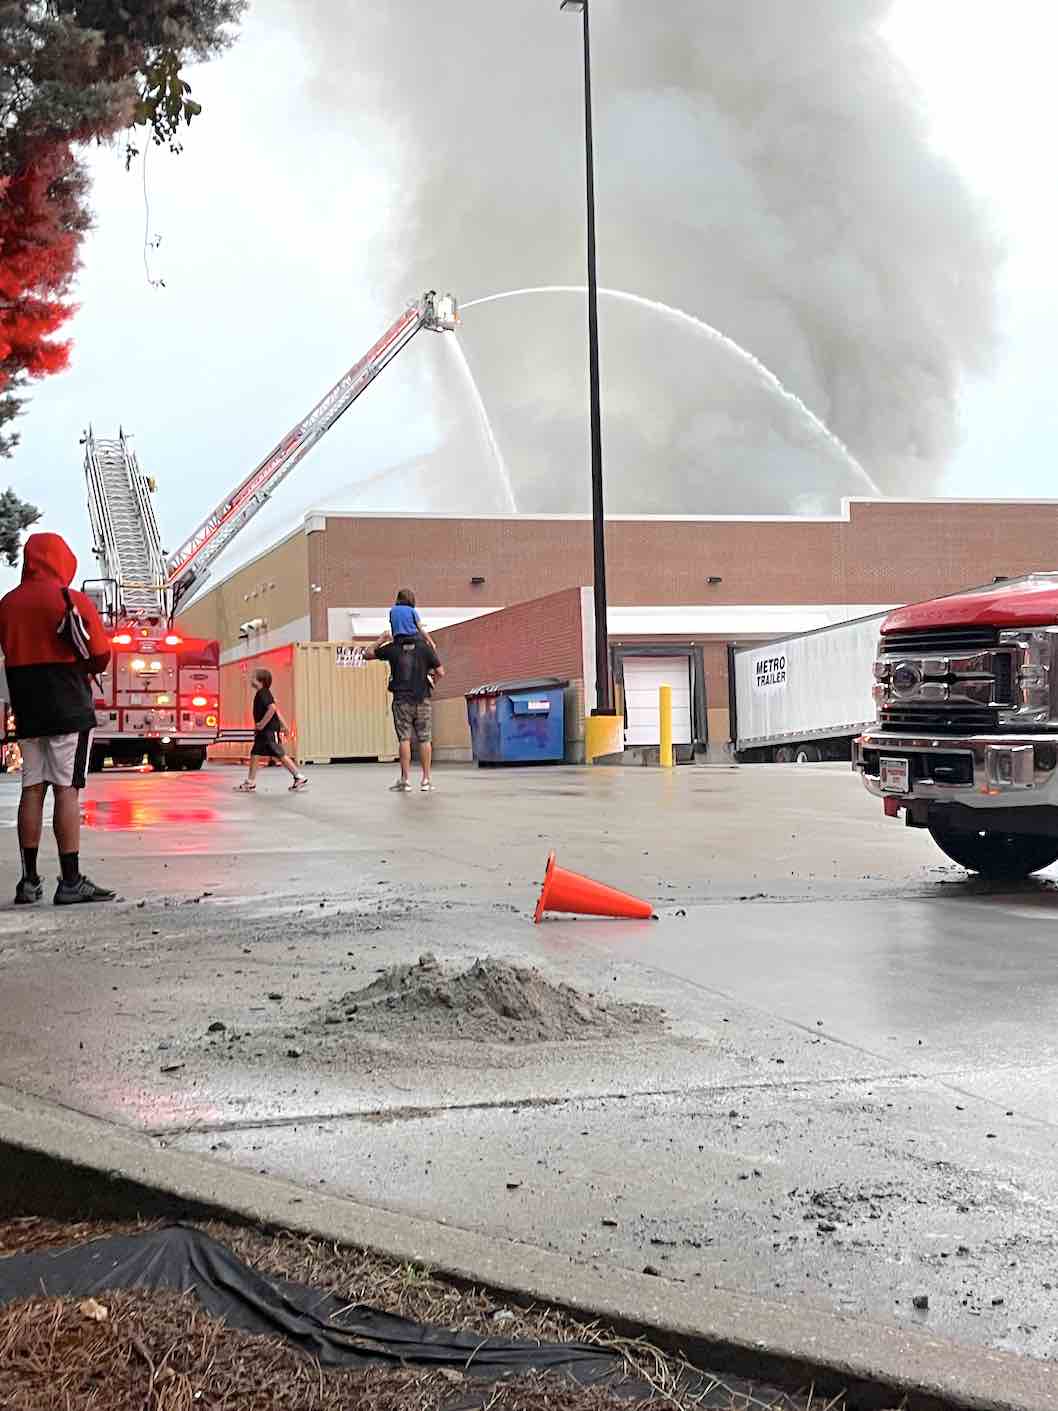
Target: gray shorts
<point x="60" y="760"/>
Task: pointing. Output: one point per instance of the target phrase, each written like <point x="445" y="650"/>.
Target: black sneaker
<point x="28" y="891"/>
<point x="71" y="893"/>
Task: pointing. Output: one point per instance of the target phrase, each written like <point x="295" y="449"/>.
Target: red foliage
<point x="41" y="219"/>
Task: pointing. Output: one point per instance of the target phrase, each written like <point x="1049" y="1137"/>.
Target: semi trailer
<point x="800" y="699"/>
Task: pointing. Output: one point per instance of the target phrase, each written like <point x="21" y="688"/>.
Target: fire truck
<point x="159" y="699"/>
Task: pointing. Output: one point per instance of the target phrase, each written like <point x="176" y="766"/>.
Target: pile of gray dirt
<point x="492" y="1002"/>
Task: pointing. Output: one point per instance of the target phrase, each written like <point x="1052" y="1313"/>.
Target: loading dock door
<point x="643" y="676"/>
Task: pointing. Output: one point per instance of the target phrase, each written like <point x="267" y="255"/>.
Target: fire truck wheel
<point x="999" y="855"/>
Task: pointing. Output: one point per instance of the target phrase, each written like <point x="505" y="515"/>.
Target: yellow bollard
<point x="665" y="714"/>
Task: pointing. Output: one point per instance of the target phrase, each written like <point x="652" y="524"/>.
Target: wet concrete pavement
<point x="854" y="1102"/>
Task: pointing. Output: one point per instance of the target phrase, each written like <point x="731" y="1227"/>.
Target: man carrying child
<point x="413" y="662"/>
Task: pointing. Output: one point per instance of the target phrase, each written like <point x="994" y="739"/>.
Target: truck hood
<point x="1031" y="601"/>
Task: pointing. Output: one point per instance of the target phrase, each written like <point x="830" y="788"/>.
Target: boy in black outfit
<point x="267" y="744"/>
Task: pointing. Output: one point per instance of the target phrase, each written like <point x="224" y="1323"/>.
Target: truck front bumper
<point x="974" y="771"/>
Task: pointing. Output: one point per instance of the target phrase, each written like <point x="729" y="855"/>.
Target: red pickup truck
<point x="966" y="743"/>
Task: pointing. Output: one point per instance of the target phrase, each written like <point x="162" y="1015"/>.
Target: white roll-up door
<point x="643" y="677"/>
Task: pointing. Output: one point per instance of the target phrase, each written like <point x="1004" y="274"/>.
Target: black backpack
<point x="72" y="629"/>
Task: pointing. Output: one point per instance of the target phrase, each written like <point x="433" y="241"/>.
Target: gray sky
<point x="281" y="248"/>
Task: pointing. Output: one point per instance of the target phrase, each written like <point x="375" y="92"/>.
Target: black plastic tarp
<point x="185" y="1260"/>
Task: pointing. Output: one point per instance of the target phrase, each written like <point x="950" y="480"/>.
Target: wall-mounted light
<point x="477" y="580"/>
<point x="714" y="579"/>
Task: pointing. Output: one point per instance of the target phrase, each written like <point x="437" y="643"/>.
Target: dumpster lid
<point x="534" y="683"/>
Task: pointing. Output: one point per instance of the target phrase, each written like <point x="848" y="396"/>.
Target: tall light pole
<point x="603" y="691"/>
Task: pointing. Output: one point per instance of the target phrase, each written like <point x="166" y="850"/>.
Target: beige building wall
<point x="451" y="732"/>
<point x="274" y="587"/>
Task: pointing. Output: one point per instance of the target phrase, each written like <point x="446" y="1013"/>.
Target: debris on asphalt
<point x="491" y="1001"/>
<point x="217" y="1027"/>
<point x="171" y="1067"/>
<point x="921" y="1302"/>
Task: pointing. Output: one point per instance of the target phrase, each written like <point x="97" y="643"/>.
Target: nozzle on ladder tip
<point x="571" y="893"/>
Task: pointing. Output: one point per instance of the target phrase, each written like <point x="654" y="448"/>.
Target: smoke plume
<point x="762" y="164"/>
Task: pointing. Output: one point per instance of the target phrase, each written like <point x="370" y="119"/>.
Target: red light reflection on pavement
<point x="155" y="1111"/>
<point x="130" y="814"/>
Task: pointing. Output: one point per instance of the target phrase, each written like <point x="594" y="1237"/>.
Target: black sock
<point x="70" y="862"/>
<point x="29" y="864"/>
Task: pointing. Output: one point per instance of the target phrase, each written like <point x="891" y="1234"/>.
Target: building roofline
<point x="842" y="517"/>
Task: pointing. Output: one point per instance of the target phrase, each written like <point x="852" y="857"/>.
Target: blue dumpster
<point x="518" y="722"/>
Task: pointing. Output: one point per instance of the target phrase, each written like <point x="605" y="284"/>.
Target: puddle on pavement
<point x="125" y="815"/>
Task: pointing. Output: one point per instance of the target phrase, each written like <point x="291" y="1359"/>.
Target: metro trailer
<point x="798" y="700"/>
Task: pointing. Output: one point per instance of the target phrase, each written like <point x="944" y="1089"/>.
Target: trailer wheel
<point x="1003" y="856"/>
<point x="784" y="755"/>
<point x="807" y="754"/>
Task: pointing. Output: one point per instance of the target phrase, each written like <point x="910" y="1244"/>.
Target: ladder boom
<point x="192" y="560"/>
<point x="124" y="527"/>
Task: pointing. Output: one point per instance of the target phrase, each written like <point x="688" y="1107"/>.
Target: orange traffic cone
<point x="569" y="891"/>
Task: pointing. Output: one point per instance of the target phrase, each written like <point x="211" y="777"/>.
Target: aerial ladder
<point x="141" y="587"/>
<point x="125" y="531"/>
<point x="139" y="580"/>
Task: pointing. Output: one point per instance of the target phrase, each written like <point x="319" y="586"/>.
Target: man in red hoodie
<point x="51" y="695"/>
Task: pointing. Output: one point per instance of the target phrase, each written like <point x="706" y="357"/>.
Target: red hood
<point x="48" y="557"/>
<point x="1031" y="601"/>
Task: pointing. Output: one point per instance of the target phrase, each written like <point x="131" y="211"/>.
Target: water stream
<point x="503" y="475"/>
<point x="764" y="374"/>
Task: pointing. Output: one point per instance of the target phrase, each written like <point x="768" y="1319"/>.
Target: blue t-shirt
<point x="403" y="621"/>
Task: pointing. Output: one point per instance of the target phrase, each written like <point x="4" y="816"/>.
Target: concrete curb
<point x="59" y="1162"/>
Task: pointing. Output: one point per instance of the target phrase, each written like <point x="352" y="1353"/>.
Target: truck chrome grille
<point x="940" y="640"/>
<point x="945" y="680"/>
<point x="939" y="719"/>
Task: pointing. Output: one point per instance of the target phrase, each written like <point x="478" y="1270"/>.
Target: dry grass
<point x="50" y="1350"/>
<point x="160" y="1352"/>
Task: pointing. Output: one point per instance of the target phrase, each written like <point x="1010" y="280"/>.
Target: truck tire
<point x="807" y="754"/>
<point x="1003" y="856"/>
<point x="784" y="755"/>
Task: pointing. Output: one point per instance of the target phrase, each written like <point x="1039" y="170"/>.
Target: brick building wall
<point x="885" y="551"/>
<point x="539" y="638"/>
